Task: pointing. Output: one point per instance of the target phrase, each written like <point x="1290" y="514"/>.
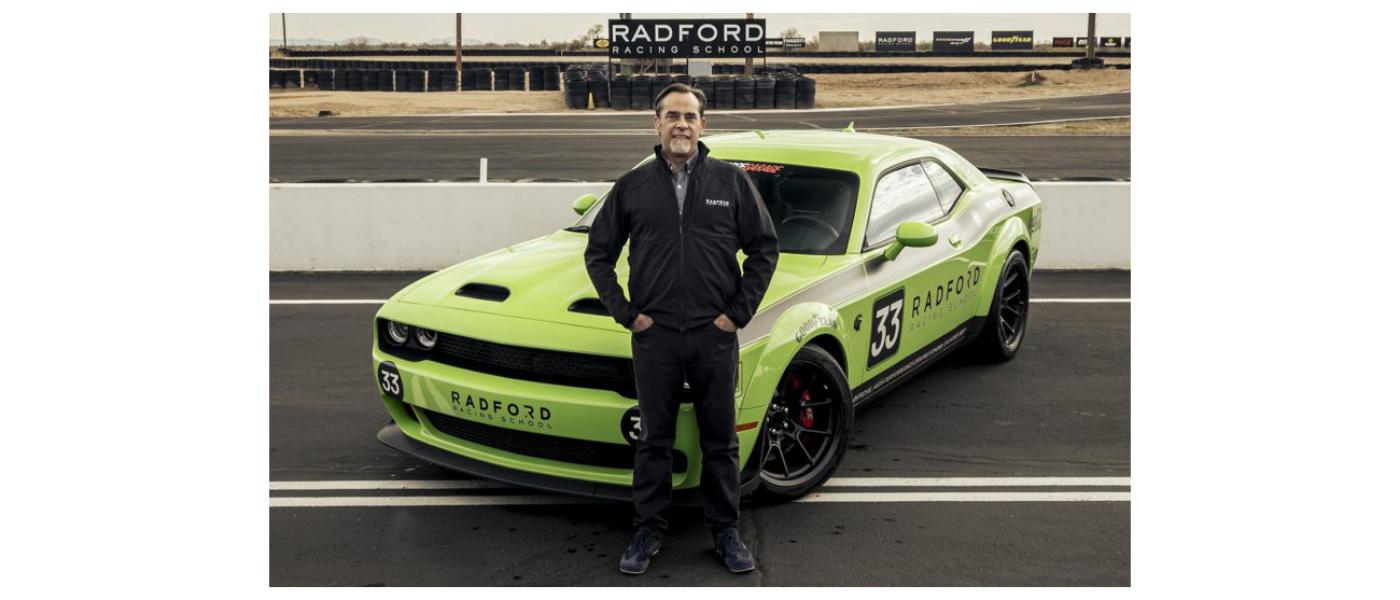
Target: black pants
<point x="707" y="358"/>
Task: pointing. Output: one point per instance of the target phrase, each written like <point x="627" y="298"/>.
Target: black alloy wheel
<point x="806" y="428"/>
<point x="1005" y="326"/>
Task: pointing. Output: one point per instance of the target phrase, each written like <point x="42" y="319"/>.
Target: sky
<point x="526" y="28"/>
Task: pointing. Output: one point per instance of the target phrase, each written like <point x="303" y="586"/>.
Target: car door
<point x="917" y="299"/>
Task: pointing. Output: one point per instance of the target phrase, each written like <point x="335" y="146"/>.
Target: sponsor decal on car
<point x="759" y="167"/>
<point x="496" y="411"/>
<point x="888" y="319"/>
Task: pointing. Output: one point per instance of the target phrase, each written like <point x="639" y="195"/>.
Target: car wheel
<point x="1005" y="326"/>
<point x="806" y="428"/>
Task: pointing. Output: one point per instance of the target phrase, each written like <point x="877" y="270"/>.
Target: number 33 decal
<point x="390" y="381"/>
<point x="884" y="336"/>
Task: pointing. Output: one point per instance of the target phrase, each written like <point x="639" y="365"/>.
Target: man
<point x="686" y="216"/>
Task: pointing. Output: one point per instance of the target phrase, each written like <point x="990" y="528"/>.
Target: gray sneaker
<point x="730" y="548"/>
<point x="645" y="544"/>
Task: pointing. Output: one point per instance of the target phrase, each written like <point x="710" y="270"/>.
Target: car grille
<point x="529" y="364"/>
<point x="538" y="445"/>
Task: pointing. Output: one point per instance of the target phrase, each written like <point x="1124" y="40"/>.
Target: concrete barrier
<point x="427" y="226"/>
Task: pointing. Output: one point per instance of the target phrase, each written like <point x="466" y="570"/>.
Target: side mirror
<point x="911" y="233"/>
<point x="585" y="202"/>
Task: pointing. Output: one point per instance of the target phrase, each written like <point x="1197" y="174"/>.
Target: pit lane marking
<point x="1033" y="301"/>
<point x="834" y="482"/>
<point x="819" y="496"/>
<point x="861" y="497"/>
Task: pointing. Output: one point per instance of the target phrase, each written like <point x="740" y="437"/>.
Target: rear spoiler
<point x="1004" y="174"/>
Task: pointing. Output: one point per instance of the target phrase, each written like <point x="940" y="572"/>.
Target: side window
<point x="948" y="188"/>
<point x="901" y="195"/>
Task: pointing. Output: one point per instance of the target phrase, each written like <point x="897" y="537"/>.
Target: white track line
<point x="427" y="484"/>
<point x="1033" y="300"/>
<point x="975" y="481"/>
<point x="372" y="501"/>
<point x="864" y="482"/>
<point x="381" y="501"/>
<point x="968" y="497"/>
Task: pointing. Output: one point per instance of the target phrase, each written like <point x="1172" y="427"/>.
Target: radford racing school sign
<point x="686" y="38"/>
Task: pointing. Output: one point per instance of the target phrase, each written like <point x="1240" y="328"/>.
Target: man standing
<point x="687" y="216"/>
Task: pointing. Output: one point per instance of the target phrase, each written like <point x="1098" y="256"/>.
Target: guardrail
<point x="428" y="226"/>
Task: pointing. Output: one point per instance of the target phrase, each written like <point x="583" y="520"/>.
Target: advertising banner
<point x="795" y="42"/>
<point x="1110" y="42"/>
<point x="1012" y="40"/>
<point x="1062" y="42"/>
<point x="894" y="41"/>
<point x="1081" y="42"/>
<point x="952" y="41"/>
<point x="687" y="38"/>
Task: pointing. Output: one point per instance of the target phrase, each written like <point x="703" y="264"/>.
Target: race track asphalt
<point x="1060" y="409"/>
<point x="590" y="146"/>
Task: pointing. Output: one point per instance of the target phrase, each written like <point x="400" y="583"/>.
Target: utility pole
<point x="748" y="60"/>
<point x="1093" y="40"/>
<point x="459" y="46"/>
<point x="284" y="31"/>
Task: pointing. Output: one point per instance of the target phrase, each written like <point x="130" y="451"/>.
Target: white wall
<point x="427" y="226"/>
<point x="1085" y="225"/>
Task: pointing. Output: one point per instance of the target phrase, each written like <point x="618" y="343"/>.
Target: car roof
<point x="843" y="150"/>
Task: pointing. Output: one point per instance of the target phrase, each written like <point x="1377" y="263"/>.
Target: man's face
<point x="679" y="124"/>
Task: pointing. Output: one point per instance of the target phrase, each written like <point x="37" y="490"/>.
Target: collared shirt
<point x="682" y="179"/>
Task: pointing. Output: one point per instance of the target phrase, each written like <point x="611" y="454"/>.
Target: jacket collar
<point x="701" y="152"/>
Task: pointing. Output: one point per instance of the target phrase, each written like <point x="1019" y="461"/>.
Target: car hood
<point x="546" y="276"/>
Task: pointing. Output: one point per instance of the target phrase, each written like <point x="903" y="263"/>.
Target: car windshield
<point x="811" y="208"/>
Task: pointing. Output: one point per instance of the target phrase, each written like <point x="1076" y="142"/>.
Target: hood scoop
<point x="589" y="306"/>
<point x="484" y="291"/>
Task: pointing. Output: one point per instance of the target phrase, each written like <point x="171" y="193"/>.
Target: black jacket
<point x="684" y="272"/>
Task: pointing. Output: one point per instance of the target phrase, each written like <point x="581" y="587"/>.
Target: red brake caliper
<point x="806" y="415"/>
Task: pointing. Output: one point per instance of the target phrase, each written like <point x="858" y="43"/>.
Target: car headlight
<point x="427" y="338"/>
<point x="396" y="332"/>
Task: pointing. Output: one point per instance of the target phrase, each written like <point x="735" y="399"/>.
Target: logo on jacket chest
<point x="714" y="202"/>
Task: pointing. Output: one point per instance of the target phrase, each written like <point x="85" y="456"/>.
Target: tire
<point x="1000" y="339"/>
<point x="781" y="477"/>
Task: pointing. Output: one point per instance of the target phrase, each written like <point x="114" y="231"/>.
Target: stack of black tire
<point x="640" y="98"/>
<point x="409" y="80"/>
<point x="763" y="91"/>
<point x="724" y="94"/>
<point x="576" y="88"/>
<point x="598" y="89"/>
<point x="325" y="79"/>
<point x="706" y="85"/>
<point x="744" y="93"/>
<point x="621" y="92"/>
<point x="309" y="79"/>
<point x="386" y="80"/>
<point x="806" y="92"/>
<point x="282" y="79"/>
<point x="448" y="81"/>
<point x="785" y="91"/>
<point x="340" y="80"/>
<point x="551" y="78"/>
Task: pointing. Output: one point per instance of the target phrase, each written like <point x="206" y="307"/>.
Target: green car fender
<point x="1012" y="230"/>
<point x="797" y="327"/>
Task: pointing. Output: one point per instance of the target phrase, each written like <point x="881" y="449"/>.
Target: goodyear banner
<point x="1081" y="42"/>
<point x="894" y="41"/>
<point x="687" y="38"/>
<point x="1012" y="40"/>
<point x="952" y="41"/>
<point x="1062" y="42"/>
<point x="1110" y="42"/>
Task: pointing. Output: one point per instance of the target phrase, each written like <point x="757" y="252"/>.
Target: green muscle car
<point x="894" y="253"/>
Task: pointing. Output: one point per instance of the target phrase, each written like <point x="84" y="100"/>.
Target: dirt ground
<point x="833" y="91"/>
